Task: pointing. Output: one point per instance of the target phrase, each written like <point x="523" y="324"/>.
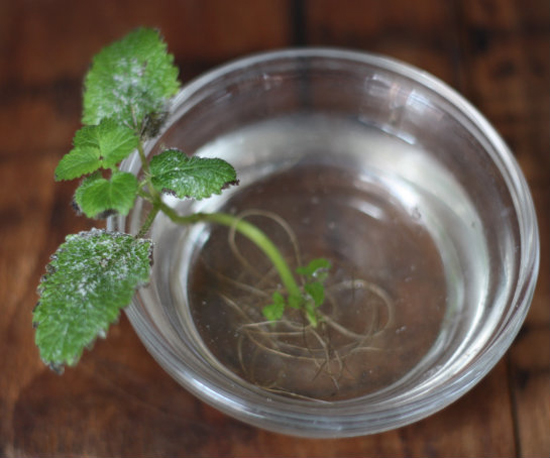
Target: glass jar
<point x="390" y="175"/>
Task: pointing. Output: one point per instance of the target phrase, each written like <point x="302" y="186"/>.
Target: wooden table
<point x="118" y="402"/>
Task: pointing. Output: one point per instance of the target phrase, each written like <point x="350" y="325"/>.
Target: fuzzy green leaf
<point x="97" y="197"/>
<point x="130" y="80"/>
<point x="100" y="146"/>
<point x="76" y="163"/>
<point x="316" y="291"/>
<point x="194" y="177"/>
<point x="276" y="309"/>
<point x="89" y="279"/>
<point x="316" y="269"/>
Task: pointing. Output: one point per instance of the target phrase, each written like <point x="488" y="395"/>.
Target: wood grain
<point x="506" y="74"/>
<point x="118" y="401"/>
<point x="424" y="35"/>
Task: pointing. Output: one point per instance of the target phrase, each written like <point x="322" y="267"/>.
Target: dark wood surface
<point x="118" y="402"/>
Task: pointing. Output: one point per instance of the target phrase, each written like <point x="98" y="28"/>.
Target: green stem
<point x="147" y="192"/>
<point x="145" y="187"/>
<point x="250" y="231"/>
<point x="148" y="222"/>
<point x="143" y="158"/>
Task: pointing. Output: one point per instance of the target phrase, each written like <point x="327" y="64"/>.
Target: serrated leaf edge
<point x="58" y="367"/>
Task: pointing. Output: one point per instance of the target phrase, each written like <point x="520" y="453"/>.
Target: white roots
<point x="355" y="313"/>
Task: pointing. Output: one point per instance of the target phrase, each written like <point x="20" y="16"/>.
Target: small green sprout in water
<point x="94" y="274"/>
<point x="312" y="297"/>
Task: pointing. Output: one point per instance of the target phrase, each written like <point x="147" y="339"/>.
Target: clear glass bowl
<point x="395" y="178"/>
